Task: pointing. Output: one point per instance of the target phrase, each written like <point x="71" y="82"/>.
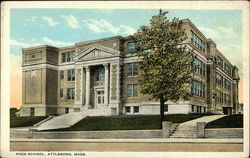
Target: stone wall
<point x="224" y="133"/>
<point x="117" y="134"/>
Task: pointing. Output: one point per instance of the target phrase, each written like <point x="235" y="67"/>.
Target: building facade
<point x="101" y="77"/>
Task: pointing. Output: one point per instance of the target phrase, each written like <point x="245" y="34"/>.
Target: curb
<point x="176" y="140"/>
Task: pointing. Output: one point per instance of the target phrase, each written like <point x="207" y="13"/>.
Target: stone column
<point x="106" y="84"/>
<point x="118" y="82"/>
<point x="166" y="129"/>
<point x="200" y="129"/>
<point x="87" y="103"/>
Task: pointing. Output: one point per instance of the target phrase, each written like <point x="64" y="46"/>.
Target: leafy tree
<point x="165" y="61"/>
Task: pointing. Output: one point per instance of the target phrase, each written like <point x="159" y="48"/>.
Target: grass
<point x="25" y="121"/>
<point x="230" y="121"/>
<point x="137" y="122"/>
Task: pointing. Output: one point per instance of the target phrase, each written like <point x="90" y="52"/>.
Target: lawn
<point x="230" y="121"/>
<point x="25" y="120"/>
<point x="128" y="122"/>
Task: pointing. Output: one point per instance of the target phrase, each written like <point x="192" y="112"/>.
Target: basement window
<point x="165" y="107"/>
<point x="127" y="109"/>
<point x="136" y="109"/>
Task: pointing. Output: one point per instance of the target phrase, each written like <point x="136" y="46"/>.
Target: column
<point x="87" y="69"/>
<point x="106" y="84"/>
<point x="118" y="83"/>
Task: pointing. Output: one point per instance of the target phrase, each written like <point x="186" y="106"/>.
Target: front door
<point x="99" y="98"/>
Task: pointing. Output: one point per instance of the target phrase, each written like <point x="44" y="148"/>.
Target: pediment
<point x="96" y="51"/>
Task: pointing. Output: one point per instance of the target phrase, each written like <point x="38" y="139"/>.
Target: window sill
<point x="197" y="48"/>
<point x="132" y="97"/>
<point x="132" y="76"/>
<point x="199" y="97"/>
<point x="199" y="75"/>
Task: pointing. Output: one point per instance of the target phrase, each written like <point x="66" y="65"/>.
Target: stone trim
<point x="224" y="74"/>
<point x="93" y="47"/>
<point x="39" y="66"/>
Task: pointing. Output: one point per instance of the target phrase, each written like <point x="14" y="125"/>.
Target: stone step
<point x="183" y="137"/>
<point x="178" y="130"/>
<point x="185" y="133"/>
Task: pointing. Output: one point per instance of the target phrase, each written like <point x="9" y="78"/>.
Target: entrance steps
<point x="188" y="129"/>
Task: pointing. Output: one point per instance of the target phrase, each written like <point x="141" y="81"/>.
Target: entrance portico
<point x="98" y="79"/>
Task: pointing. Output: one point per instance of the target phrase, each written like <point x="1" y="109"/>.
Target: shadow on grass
<point x="25" y="121"/>
<point x="231" y="121"/>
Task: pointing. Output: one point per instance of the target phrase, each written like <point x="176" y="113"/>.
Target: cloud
<point x="54" y="42"/>
<point x="219" y="33"/>
<point x="50" y="21"/>
<point x="94" y="28"/>
<point x="32" y="19"/>
<point x="127" y="29"/>
<point x="36" y="42"/>
<point x="18" y="44"/>
<point x="105" y="26"/>
<point x="71" y="20"/>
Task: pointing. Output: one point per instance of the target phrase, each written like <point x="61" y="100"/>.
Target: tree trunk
<point x="161" y="111"/>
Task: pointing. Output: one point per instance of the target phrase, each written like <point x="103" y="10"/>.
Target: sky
<point x="63" y="27"/>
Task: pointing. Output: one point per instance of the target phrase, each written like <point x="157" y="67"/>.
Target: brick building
<point x="101" y="77"/>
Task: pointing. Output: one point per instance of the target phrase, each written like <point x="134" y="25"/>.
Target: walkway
<point x="62" y="121"/>
<point x="188" y="129"/>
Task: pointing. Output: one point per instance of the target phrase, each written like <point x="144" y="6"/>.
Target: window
<point x="61" y="92"/>
<point x="227" y="84"/>
<point x="219" y="62"/>
<point x="67" y="56"/>
<point x="132" y="90"/>
<point x="62" y="74"/>
<point x="219" y="79"/>
<point x="71" y="93"/>
<point x="198" y="89"/>
<point x="127" y="109"/>
<point x="63" y="57"/>
<point x="197" y="42"/>
<point x="132" y="69"/>
<point x="66" y="110"/>
<point x="219" y="96"/>
<point x="198" y="67"/>
<point x="100" y="97"/>
<point x="192" y="108"/>
<point x="136" y="109"/>
<point x="165" y="107"/>
<point x="132" y="46"/>
<point x="71" y="75"/>
<point x="100" y="74"/>
<point x="228" y="69"/>
<point x="32" y="111"/>
<point x="227" y="99"/>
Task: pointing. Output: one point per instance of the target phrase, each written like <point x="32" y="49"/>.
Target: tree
<point x="165" y="61"/>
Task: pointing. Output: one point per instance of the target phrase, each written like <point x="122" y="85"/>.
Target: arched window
<point x="100" y="74"/>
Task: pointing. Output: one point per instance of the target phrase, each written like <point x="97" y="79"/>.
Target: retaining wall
<point x="224" y="133"/>
<point x="99" y="134"/>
